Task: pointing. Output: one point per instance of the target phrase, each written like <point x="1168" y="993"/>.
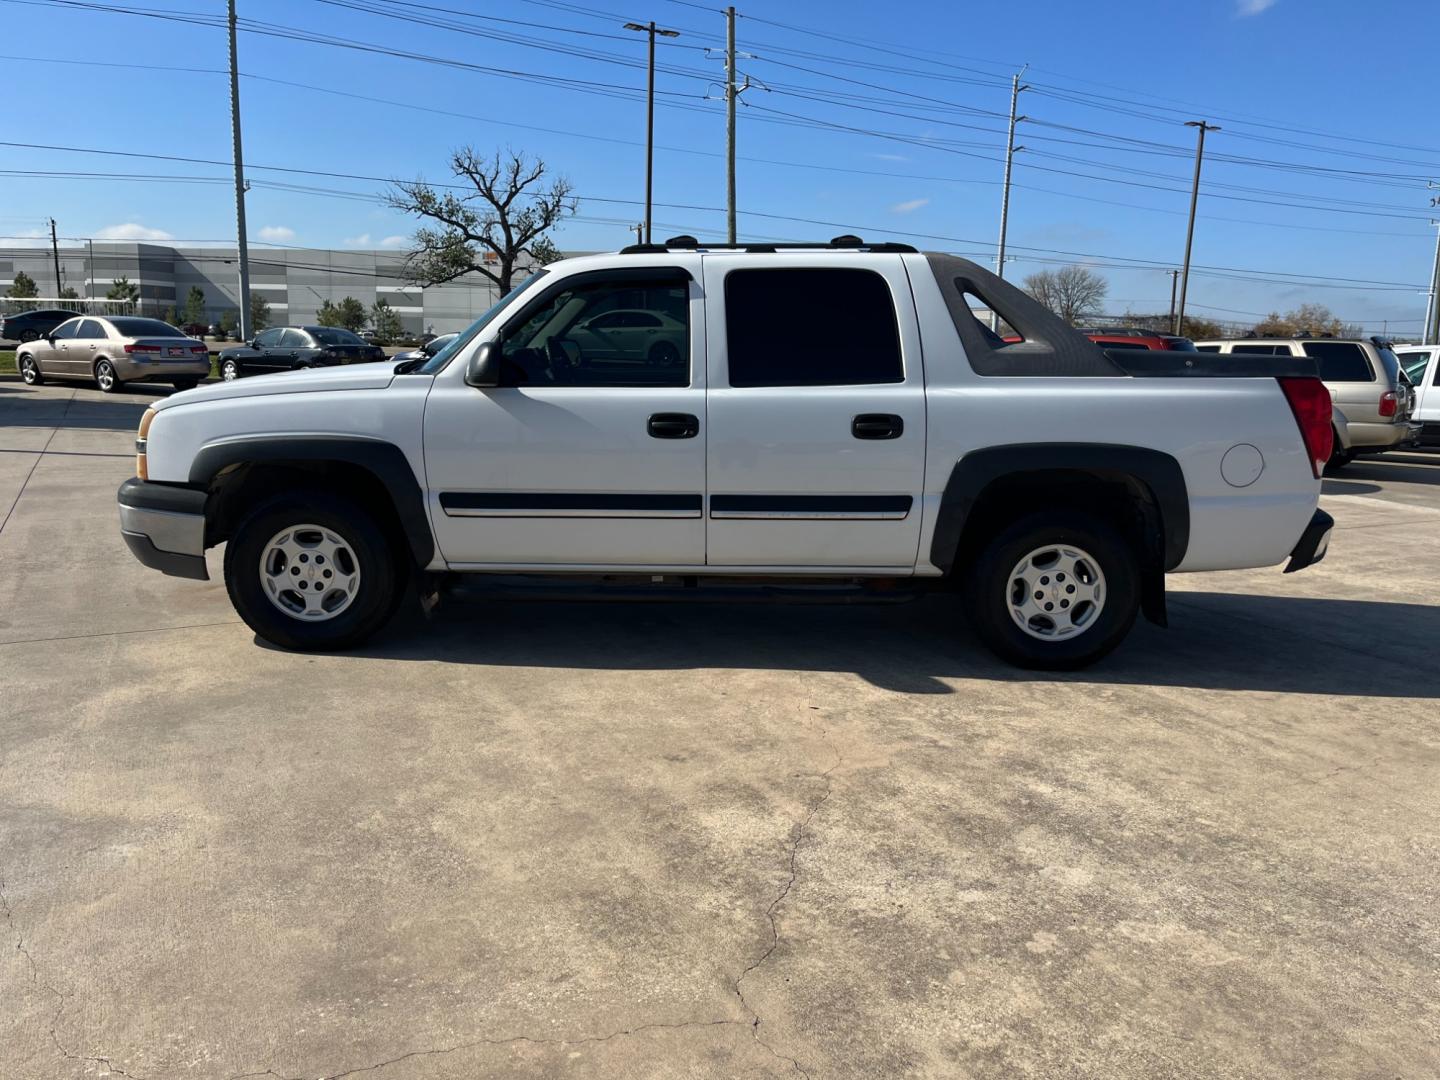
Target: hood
<point x="372" y="376"/>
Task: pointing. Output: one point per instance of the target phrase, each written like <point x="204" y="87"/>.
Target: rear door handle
<point x="877" y="426"/>
<point x="673" y="425"/>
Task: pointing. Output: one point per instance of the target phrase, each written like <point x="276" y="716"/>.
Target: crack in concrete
<point x="799" y="833"/>
<point x="99" y="1059"/>
<point x="19" y="937"/>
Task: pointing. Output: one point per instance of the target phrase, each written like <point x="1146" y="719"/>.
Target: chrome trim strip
<point x="809" y="515"/>
<point x="537" y="512"/>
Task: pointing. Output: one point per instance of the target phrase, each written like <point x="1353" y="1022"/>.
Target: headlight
<point x="141" y="441"/>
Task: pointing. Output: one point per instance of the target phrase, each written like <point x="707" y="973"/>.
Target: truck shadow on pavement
<point x="30" y="408"/>
<point x="1217" y="641"/>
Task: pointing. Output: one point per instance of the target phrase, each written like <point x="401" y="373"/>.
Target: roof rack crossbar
<point x="845" y="243"/>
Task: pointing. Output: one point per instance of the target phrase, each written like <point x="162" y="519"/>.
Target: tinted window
<point x="66" y="329"/>
<point x="642" y="319"/>
<point x="91" y="329"/>
<point x="1261" y="350"/>
<point x="127" y="327"/>
<point x="1414" y="364"/>
<point x="1340" y="361"/>
<point x="550" y="343"/>
<point x="1122" y="345"/>
<point x="267" y="339"/>
<point x="1207" y="348"/>
<point x="333" y="335"/>
<point x="811" y="327"/>
<point x="294" y="339"/>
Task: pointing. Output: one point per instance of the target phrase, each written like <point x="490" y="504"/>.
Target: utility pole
<point x="730" y="94"/>
<point x="55" y="251"/>
<point x="1432" y="307"/>
<point x="650" y="29"/>
<point x="244" y="251"/>
<point x="639" y="231"/>
<point x="1174" y="278"/>
<point x="1010" y="148"/>
<point x="1202" y="127"/>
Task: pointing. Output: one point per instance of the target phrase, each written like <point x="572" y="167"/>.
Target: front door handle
<point x="673" y="425"/>
<point x="877" y="426"/>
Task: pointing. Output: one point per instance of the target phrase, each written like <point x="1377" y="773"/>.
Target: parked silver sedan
<point x="113" y="350"/>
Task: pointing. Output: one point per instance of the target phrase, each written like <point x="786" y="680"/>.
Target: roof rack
<point x="842" y="243"/>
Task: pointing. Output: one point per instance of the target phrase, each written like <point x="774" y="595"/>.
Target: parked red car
<point x="1121" y="337"/>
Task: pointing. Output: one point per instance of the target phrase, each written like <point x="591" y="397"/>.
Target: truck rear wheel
<point x="1054" y="591"/>
<point x="309" y="570"/>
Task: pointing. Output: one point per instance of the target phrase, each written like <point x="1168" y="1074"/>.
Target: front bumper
<point x="1314" y="542"/>
<point x="164" y="526"/>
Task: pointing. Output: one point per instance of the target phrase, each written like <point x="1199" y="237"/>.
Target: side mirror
<point x="483" y="367"/>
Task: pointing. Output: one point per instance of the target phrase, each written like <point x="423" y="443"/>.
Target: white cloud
<point x="888" y="157"/>
<point x="363" y="240"/>
<point x="277" y="232"/>
<point x="132" y="231"/>
<point x="909" y="206"/>
<point x="1246" y="8"/>
<point x="395" y="242"/>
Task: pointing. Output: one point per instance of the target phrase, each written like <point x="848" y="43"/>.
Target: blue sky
<point x="883" y="119"/>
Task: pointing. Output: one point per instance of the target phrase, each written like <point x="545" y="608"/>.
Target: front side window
<point x="811" y="327"/>
<point x="1414" y="364"/>
<point x="630" y="330"/>
<point x="1340" y="361"/>
<point x="66" y="330"/>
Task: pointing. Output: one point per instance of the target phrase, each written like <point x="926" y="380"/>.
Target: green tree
<point x="259" y="312"/>
<point x="349" y="314"/>
<point x="67" y="293"/>
<point x="506" y="220"/>
<point x="194" y="310"/>
<point x="169" y="315"/>
<point x="23" y="287"/>
<point x="228" y="321"/>
<point x="386" y="322"/>
<point x="125" y="291"/>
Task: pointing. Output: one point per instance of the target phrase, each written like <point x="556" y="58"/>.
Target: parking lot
<point x="523" y="839"/>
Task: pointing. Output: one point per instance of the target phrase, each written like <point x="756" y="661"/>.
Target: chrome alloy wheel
<point x="309" y="572"/>
<point x="1056" y="592"/>
<point x="105" y="375"/>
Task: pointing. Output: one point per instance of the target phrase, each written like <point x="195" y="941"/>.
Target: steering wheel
<point x="558" y="358"/>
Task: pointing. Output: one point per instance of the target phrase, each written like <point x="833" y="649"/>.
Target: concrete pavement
<point x="535" y="840"/>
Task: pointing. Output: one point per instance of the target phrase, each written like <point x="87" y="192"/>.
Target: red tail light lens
<point x="1388" y="403"/>
<point x="1310" y="402"/>
<point x="142" y="348"/>
<point x="199" y="350"/>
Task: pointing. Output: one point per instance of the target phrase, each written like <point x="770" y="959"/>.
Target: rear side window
<point x="1261" y="350"/>
<point x="1340" y="361"/>
<point x="811" y="327"/>
<point x="294" y="339"/>
<point x="90" y="329"/>
<point x="1207" y="348"/>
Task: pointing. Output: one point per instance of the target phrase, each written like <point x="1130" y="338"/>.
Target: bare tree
<point x="1305" y="319"/>
<point x="487" y="231"/>
<point x="1074" y="293"/>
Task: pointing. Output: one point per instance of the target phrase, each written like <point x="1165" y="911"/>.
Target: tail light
<point x="142" y="348"/>
<point x="1388" y="403"/>
<point x="1310" y="402"/>
<point x="199" y="350"/>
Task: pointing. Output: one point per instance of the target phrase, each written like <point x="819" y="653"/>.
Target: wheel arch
<point x="373" y="471"/>
<point x="1140" y="489"/>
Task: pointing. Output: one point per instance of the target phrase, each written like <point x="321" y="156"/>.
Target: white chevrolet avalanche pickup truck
<point x="798" y="414"/>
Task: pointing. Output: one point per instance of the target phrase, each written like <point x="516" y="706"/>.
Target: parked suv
<point x="1421" y="363"/>
<point x="1363" y="377"/>
<point x="29" y="325"/>
<point x="833" y="416"/>
<point x="1124" y="337"/>
<point x="292" y="348"/>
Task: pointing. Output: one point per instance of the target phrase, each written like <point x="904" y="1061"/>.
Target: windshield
<point x="330" y="335"/>
<point x="437" y="362"/>
<point x="144" y="328"/>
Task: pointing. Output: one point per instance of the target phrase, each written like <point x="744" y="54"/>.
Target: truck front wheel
<point x="309" y="570"/>
<point x="1054" y="591"/>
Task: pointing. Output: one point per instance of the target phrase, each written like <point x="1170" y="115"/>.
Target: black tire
<point x="381" y="574"/>
<point x="185" y="384"/>
<point x="107" y="378"/>
<point x="27" y="336"/>
<point x="1339" y="458"/>
<point x="30" y="371"/>
<point x="988" y="589"/>
<point x="663" y="354"/>
<point x="230" y="369"/>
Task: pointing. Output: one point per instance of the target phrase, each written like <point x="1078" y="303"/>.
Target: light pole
<point x="651" y="29"/>
<point x="1202" y="128"/>
<point x="241" y="186"/>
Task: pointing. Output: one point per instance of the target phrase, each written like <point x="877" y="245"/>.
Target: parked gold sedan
<point x="113" y="350"/>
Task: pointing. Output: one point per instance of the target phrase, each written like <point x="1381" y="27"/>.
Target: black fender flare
<point x="384" y="460"/>
<point x="1157" y="472"/>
